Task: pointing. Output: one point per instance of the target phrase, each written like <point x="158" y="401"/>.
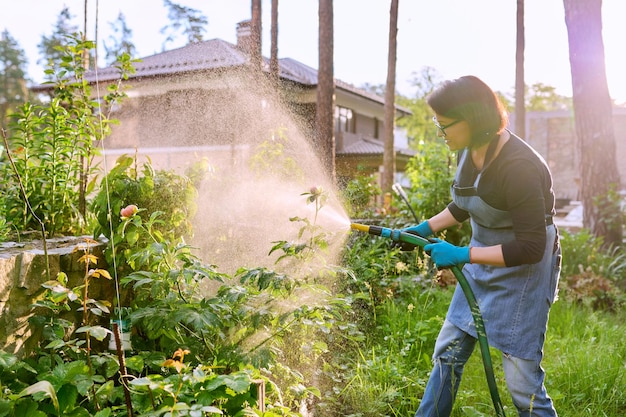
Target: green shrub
<point x="592" y="274"/>
<point x="360" y="196"/>
<point x="583" y="251"/>
<point x="164" y="200"/>
<point x="194" y="352"/>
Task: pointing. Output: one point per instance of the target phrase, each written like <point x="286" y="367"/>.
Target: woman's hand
<point x="446" y="255"/>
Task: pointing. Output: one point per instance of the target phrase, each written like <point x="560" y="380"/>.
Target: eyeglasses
<point x="442" y="129"/>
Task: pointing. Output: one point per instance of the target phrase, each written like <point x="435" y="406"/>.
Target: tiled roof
<point x="297" y="71"/>
<point x="370" y="146"/>
<point x="200" y="56"/>
<point x="217" y="54"/>
<point x="303" y="74"/>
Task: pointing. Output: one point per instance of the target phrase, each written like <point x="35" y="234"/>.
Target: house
<point x="553" y="135"/>
<point x="200" y="99"/>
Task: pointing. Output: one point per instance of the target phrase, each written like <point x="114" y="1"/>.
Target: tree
<point x="274" y="67"/>
<point x="378" y="89"/>
<point x="593" y="115"/>
<point x="520" y="109"/>
<point x="50" y="47"/>
<point x="324" y="132"/>
<point x="256" y="26"/>
<point x="186" y="19"/>
<point x="389" y="155"/>
<point x="419" y="125"/>
<point x="13" y="88"/>
<point x="543" y="97"/>
<point x="120" y="41"/>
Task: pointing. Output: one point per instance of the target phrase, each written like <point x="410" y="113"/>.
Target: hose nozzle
<point x="360" y="227"/>
<point x="393" y="234"/>
<point x="372" y="230"/>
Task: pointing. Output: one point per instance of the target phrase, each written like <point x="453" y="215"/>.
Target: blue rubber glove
<point x="423" y="229"/>
<point x="445" y="255"/>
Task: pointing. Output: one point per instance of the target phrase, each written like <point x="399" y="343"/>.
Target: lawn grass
<point x="584" y="357"/>
<point x="585" y="362"/>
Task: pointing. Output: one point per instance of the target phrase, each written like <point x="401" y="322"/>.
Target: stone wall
<point x="23" y="271"/>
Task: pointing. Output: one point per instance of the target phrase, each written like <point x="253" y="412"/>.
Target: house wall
<point x="367" y="126"/>
<point x="176" y="120"/>
<point x="553" y="135"/>
<point x="180" y="118"/>
<point x="177" y="127"/>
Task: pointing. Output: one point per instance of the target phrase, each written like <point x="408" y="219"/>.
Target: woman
<point x="504" y="188"/>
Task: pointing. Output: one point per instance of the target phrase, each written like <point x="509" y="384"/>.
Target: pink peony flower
<point x="128" y="211"/>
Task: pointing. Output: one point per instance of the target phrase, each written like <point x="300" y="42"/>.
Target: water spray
<point x="399" y="236"/>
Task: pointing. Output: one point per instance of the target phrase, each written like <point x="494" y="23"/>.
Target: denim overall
<point x="514" y="302"/>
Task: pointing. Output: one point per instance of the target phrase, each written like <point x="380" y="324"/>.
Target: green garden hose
<point x="400" y="236"/>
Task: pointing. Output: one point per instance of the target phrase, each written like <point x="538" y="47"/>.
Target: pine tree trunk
<point x="389" y="155"/>
<point x="325" y="138"/>
<point x="593" y="112"/>
<point x="274" y="68"/>
<point x="256" y="31"/>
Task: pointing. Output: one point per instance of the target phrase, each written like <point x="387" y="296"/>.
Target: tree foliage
<point x="52" y="148"/>
<point x="13" y="88"/>
<point x="120" y="42"/>
<point x="191" y="22"/>
<point x="51" y="47"/>
<point x="419" y="126"/>
<point x="542" y="97"/>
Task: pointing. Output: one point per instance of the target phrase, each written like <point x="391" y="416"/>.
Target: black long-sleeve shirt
<point x="519" y="181"/>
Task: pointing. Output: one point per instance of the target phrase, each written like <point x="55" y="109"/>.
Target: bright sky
<point x="455" y="37"/>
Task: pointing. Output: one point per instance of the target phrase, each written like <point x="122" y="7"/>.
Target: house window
<point x="343" y="120"/>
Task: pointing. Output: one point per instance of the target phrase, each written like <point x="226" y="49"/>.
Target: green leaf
<point x="44" y="387"/>
<point x="5" y="407"/>
<point x="28" y="409"/>
<point x="6" y="359"/>
<point x="103" y="413"/>
<point x="132" y="236"/>
<point x="97" y="332"/>
<point x="68" y="394"/>
<point x="239" y="382"/>
<point x="135" y="363"/>
<point x="141" y="382"/>
<point x="55" y="344"/>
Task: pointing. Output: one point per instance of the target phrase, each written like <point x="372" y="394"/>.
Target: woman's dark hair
<point x="468" y="98"/>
